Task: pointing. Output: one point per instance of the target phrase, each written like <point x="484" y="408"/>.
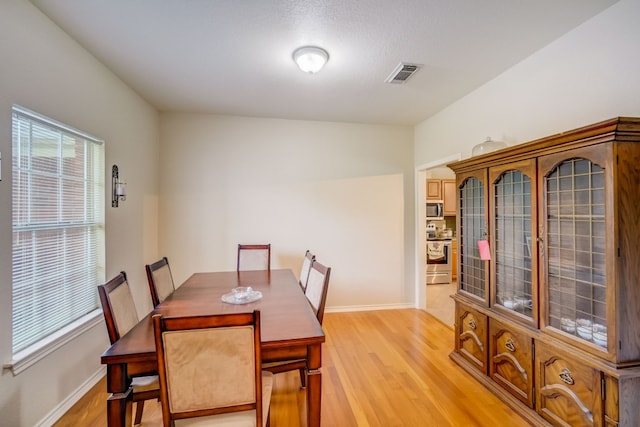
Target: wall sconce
<point x="118" y="188"/>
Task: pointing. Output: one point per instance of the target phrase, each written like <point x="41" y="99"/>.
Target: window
<point x="58" y="226"/>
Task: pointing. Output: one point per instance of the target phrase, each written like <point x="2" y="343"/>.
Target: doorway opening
<point x="433" y="298"/>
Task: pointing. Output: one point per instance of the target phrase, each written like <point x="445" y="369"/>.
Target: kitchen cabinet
<point x="559" y="290"/>
<point x="444" y="190"/>
<point x="449" y="197"/>
<point x="434" y="189"/>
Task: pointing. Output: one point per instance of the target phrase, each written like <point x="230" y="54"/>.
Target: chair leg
<point x="139" y="408"/>
<point x="303" y="378"/>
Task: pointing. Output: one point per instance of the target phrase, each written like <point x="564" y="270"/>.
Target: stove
<point x="439" y="260"/>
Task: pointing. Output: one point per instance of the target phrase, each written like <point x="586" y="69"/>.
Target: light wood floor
<point x="439" y="301"/>
<point x="380" y="369"/>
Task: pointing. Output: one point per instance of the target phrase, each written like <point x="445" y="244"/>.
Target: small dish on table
<point x="241" y="295"/>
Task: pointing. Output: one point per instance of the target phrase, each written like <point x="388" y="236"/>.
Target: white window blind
<point x="58" y="225"/>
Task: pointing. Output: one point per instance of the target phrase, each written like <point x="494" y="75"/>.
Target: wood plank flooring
<point x="380" y="369"/>
<point x="439" y="302"/>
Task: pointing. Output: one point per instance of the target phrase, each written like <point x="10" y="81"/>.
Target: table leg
<point x="119" y="402"/>
<point x="119" y="409"/>
<point x="314" y="385"/>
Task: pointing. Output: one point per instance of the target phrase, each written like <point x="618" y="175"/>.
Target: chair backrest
<point x="317" y="287"/>
<point x="160" y="280"/>
<point x="254" y="257"/>
<point x="306" y="268"/>
<point x="209" y="365"/>
<point x="118" y="307"/>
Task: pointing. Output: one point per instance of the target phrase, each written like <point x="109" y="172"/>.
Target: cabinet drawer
<point x="511" y="361"/>
<point x="471" y="336"/>
<point x="569" y="392"/>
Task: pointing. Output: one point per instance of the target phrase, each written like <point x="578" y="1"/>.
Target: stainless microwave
<point x="435" y="209"/>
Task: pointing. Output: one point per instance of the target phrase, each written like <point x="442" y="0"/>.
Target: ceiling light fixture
<point x="310" y="59"/>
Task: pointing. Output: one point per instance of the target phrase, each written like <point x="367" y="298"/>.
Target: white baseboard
<point x="52" y="417"/>
<point x="343" y="309"/>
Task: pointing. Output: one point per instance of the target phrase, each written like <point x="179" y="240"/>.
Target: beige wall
<point x="588" y="75"/>
<point x="44" y="70"/>
<point x="344" y="191"/>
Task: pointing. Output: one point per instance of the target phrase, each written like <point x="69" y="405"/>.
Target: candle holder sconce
<point x="118" y="188"/>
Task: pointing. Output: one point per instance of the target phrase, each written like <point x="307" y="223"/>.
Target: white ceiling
<point x="234" y="56"/>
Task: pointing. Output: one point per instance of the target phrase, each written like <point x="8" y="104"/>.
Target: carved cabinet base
<point x="546" y="382"/>
<point x="547" y="305"/>
<point x="569" y="392"/>
<point x="471" y="336"/>
<point x="510" y="361"/>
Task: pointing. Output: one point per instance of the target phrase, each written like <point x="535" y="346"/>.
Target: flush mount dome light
<point x="310" y="59"/>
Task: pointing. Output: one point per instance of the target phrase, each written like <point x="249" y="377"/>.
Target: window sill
<point x="36" y="352"/>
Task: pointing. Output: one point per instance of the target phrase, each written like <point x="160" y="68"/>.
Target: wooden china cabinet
<point x="550" y="320"/>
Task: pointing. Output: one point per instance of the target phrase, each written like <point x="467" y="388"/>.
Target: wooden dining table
<point x="289" y="330"/>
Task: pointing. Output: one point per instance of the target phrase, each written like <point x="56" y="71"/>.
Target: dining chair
<point x="211" y="371"/>
<point x="306" y="268"/>
<point x="160" y="280"/>
<point x="316" y="293"/>
<point x="317" y="287"/>
<point x="120" y="316"/>
<point x="254" y="257"/>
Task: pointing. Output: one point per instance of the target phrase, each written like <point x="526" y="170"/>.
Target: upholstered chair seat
<point x="305" y="269"/>
<point x="317" y="288"/>
<point x="236" y="419"/>
<point x="316" y="293"/>
<point x="210" y="370"/>
<point x="120" y="316"/>
<point x="254" y="257"/>
<point x="160" y="280"/>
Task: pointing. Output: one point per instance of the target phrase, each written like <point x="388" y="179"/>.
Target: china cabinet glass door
<point x="513" y="214"/>
<point x="574" y="231"/>
<point x="473" y="272"/>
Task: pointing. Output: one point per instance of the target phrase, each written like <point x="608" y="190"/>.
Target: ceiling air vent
<point x="402" y="73"/>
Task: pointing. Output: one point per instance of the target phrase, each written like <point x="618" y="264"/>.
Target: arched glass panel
<point x="472" y="228"/>
<point x="512" y="225"/>
<point x="575" y="242"/>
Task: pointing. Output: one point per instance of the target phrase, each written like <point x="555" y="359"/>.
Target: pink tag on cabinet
<point x="485" y="253"/>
